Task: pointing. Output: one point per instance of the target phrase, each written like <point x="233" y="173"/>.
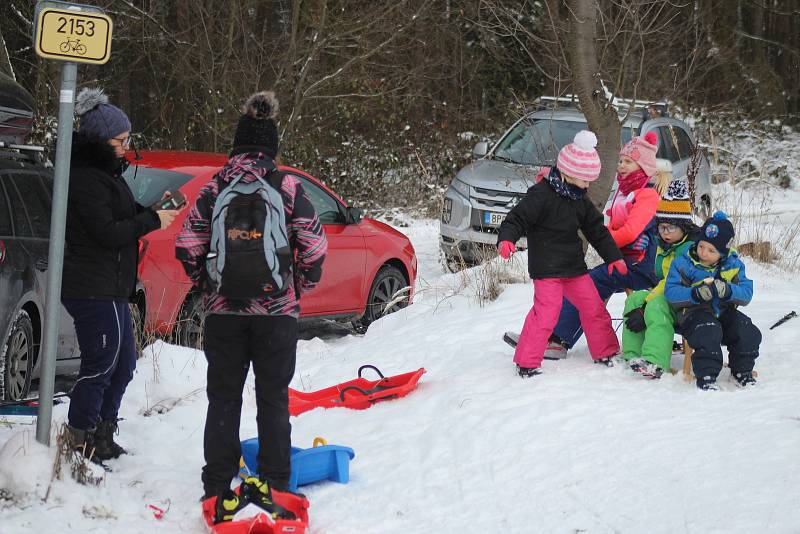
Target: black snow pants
<point x="707" y="333"/>
<point x="231" y="343"/>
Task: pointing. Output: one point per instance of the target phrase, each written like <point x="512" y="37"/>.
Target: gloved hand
<point x="620" y="267"/>
<point x="506" y="249"/>
<point x="702" y="293"/>
<point x="635" y="320"/>
<point x="721" y="289"/>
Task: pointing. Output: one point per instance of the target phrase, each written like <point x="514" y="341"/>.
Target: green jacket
<point x="664" y="257"/>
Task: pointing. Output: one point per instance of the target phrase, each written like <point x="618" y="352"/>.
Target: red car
<point x="369" y="264"/>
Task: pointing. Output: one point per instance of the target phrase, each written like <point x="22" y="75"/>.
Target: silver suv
<point x="484" y="191"/>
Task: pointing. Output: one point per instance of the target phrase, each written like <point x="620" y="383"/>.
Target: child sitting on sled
<point x="550" y="215"/>
<point x="706" y="286"/>
<point x="649" y="320"/>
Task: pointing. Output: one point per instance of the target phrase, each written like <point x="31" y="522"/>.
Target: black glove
<point x="635" y="320"/>
<point x="702" y="293"/>
<point x="721" y="289"/>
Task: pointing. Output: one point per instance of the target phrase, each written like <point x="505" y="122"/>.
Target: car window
<point x="665" y="145"/>
<point x="19" y="219"/>
<point x="148" y="185"/>
<point x="326" y="206"/>
<point x="538" y="142"/>
<point x="681" y="143"/>
<point x="35" y="203"/>
<point x="5" y="211"/>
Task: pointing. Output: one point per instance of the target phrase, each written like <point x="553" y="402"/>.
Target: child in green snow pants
<point x="649" y="319"/>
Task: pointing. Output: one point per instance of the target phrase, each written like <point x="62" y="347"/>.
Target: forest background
<point x="384" y="99"/>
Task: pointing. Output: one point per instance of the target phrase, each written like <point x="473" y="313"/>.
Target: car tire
<point x="16" y="359"/>
<point x="189" y="330"/>
<point x="387" y="283"/>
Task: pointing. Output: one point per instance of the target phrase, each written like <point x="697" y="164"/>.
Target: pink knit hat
<point x="643" y="152"/>
<point x="579" y="159"/>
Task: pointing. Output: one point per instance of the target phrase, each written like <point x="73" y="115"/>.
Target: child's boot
<point x="228" y="503"/>
<point x="743" y="379"/>
<point x="528" y="372"/>
<point x="259" y="493"/>
<point x="645" y="368"/>
<point x="107" y="448"/>
<point x="555" y="349"/>
<point x="608" y="361"/>
<point x="708" y="383"/>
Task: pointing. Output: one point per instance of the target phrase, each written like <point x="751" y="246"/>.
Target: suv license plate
<point x="493" y="219"/>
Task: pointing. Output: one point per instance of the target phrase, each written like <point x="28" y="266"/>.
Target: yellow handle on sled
<point x="319" y="441"/>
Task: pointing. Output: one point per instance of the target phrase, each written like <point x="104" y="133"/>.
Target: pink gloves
<point x="619" y="266"/>
<point x="506" y="249"/>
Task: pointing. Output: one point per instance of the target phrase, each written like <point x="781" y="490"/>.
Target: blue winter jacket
<point x="687" y="272"/>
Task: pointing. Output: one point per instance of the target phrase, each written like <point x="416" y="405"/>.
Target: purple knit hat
<point x="579" y="159"/>
<point x="99" y="119"/>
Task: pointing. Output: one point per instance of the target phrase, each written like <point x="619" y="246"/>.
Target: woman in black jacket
<point x="104" y="224"/>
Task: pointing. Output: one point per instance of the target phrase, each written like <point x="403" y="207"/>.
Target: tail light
<point x="142" y="249"/>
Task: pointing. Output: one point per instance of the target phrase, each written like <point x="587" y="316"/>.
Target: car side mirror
<point x="480" y="149"/>
<point x="354" y="215"/>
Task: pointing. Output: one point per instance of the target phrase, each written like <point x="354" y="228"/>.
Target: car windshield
<point x="537" y="142"/>
<point x="148" y="184"/>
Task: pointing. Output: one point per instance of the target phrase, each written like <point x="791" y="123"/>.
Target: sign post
<point x="70" y="33"/>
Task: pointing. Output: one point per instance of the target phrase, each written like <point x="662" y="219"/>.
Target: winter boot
<point x="556" y="350"/>
<point x="528" y="372"/>
<point x="258" y="492"/>
<point x="744" y="379"/>
<point x="608" y="361"/>
<point x="708" y="383"/>
<point x="83" y="442"/>
<point x="228" y="503"/>
<point x="645" y="368"/>
<point x="104" y="440"/>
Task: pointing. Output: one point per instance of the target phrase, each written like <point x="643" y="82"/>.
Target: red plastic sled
<point x="262" y="524"/>
<point x="358" y="394"/>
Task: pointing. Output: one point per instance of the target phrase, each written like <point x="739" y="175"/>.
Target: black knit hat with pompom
<point x="257" y="130"/>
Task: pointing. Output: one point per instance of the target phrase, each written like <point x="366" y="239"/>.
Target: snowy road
<point x="475" y="448"/>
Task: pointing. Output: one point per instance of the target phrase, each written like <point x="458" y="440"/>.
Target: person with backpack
<point x="253" y="244"/>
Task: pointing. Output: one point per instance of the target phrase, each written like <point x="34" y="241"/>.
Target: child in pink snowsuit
<point x="550" y="216"/>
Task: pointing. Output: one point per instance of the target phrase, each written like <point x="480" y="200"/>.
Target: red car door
<point x="342" y="287"/>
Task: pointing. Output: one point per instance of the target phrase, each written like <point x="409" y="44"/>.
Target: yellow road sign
<point x="68" y="35"/>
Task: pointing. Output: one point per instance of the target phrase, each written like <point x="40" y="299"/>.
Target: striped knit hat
<point x="675" y="207"/>
<point x="579" y="159"/>
<point x="642" y="150"/>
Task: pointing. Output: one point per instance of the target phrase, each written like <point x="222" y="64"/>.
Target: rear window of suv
<point x="538" y="142"/>
<point x="148" y="185"/>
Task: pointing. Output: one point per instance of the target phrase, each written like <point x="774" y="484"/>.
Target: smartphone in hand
<point x="173" y="202"/>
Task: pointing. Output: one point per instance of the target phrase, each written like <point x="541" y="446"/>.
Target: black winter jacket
<point x="551" y="223"/>
<point x="104" y="224"/>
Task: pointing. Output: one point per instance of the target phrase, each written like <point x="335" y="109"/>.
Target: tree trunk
<point x="600" y="115"/>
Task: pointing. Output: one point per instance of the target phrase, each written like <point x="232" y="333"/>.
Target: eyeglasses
<point x="668" y="228"/>
<point x="124" y="142"/>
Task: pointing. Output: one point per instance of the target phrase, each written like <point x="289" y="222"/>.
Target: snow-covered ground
<point x="475" y="448"/>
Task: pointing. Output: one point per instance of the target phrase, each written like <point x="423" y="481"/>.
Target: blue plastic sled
<point x="320" y="462"/>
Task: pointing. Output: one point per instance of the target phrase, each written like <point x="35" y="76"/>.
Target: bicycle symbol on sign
<point x="73" y="46"/>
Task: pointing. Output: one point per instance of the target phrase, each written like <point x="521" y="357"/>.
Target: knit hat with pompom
<point x="257" y="130"/>
<point x="100" y="120"/>
<point x="718" y="231"/>
<point x="642" y="150"/>
<point x="579" y="159"/>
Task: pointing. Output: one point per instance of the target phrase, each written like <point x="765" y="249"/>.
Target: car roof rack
<point x="648" y="109"/>
<point x="34" y="153"/>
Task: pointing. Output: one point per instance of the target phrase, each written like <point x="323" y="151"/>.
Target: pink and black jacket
<point x="306" y="237"/>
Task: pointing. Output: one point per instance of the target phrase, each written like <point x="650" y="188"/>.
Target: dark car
<point x="26" y="187"/>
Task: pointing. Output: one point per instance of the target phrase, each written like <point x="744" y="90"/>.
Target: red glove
<point x="506" y="249"/>
<point x="619" y="265"/>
